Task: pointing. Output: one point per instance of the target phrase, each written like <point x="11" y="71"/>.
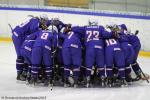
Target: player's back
<point x="126" y="46"/>
<point x="93" y="35"/>
<point x="124" y="41"/>
<point x="72" y="37"/>
<point x="112" y="43"/>
<point x="134" y="40"/>
<point x="27" y="27"/>
<point x="123" y="38"/>
<point x="45" y="37"/>
<point x="28" y="44"/>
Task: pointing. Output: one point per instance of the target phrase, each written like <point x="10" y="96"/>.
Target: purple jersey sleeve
<point x="33" y="36"/>
<point x="34" y="25"/>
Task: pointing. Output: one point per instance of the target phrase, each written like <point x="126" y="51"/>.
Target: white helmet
<point x="93" y="22"/>
<point x="52" y="28"/>
<point x="44" y="16"/>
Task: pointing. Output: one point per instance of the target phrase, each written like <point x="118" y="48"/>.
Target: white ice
<point x="9" y="87"/>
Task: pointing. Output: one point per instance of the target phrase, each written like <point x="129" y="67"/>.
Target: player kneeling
<point x="42" y="54"/>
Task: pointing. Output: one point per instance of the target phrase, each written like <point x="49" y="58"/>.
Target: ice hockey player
<point x="136" y="44"/>
<point x="128" y="53"/>
<point x="114" y="56"/>
<point x="19" y="33"/>
<point x="42" y="54"/>
<point x="94" y="45"/>
<point x="72" y="53"/>
<point x="26" y="52"/>
<point x="59" y="68"/>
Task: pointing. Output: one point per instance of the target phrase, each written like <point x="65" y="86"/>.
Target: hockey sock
<point x="88" y="71"/>
<point x="35" y="70"/>
<point x="19" y="64"/>
<point x="29" y="69"/>
<point x="48" y="71"/>
<point x="61" y="70"/>
<point x="66" y="72"/>
<point x="136" y="68"/>
<point x="127" y="70"/>
<point x="25" y="68"/>
<point x="76" y="72"/>
<point x="101" y="72"/>
<point x="109" y="71"/>
<point x="121" y="72"/>
<point x="115" y="70"/>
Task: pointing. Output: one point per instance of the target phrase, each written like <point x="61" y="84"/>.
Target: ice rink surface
<point x="9" y="87"/>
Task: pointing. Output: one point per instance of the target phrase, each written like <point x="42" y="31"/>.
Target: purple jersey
<point x="127" y="48"/>
<point x="112" y="43"/>
<point x="72" y="38"/>
<point x="134" y="40"/>
<point x="28" y="44"/>
<point x="45" y="38"/>
<point x="114" y="56"/>
<point x="94" y="36"/>
<point x="26" y="28"/>
<point x="26" y="50"/>
<point x="123" y="39"/>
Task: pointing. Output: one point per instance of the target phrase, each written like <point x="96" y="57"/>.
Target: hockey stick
<point x="53" y="55"/>
<point x="10" y="27"/>
<point x="136" y="32"/>
<point x="144" y="75"/>
<point x="31" y="16"/>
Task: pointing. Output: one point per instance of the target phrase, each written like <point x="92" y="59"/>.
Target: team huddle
<point x="54" y="53"/>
